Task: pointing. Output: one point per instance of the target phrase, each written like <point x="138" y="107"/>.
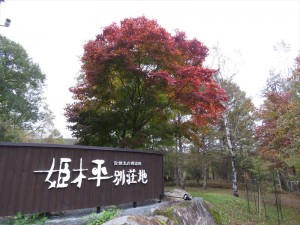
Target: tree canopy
<point x="135" y="77"/>
<point x="21" y="83"/>
<point x="278" y="133"/>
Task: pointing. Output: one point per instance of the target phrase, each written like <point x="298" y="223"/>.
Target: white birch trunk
<point x="180" y="181"/>
<point x="233" y="157"/>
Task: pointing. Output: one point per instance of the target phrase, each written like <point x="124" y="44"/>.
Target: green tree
<point x="236" y="127"/>
<point x="21" y="83"/>
<point x="234" y="132"/>
<point x="43" y="130"/>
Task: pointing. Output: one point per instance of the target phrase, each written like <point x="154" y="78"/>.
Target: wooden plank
<point x="90" y="189"/>
<point x="8" y="179"/>
<point x="114" y="189"/>
<point x="146" y="189"/>
<point x="44" y="164"/>
<point x="51" y="207"/>
<point x="47" y="194"/>
<point x="110" y="168"/>
<point x="22" y="200"/>
<point x="16" y="186"/>
<point x="58" y="191"/>
<point x="80" y="193"/>
<point x="107" y="183"/>
<point x="4" y="161"/>
<point x="32" y="181"/>
<point x="89" y="185"/>
<point x="139" y="188"/>
<point x="68" y="192"/>
<point x="74" y="190"/>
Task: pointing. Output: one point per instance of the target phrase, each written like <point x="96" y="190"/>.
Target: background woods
<point x="142" y="87"/>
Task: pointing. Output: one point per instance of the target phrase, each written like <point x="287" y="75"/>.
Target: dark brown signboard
<point x="36" y="178"/>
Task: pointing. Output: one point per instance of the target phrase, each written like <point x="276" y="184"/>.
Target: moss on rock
<point x="169" y="213"/>
<point x="214" y="212"/>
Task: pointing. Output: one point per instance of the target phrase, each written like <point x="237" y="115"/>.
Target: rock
<point x="187" y="212"/>
<point x="177" y="195"/>
<point x="68" y="221"/>
<point x="133" y="220"/>
<point x="173" y="212"/>
<point x="177" y="211"/>
<point x="163" y="219"/>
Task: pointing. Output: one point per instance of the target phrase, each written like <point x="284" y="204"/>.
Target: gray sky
<point x="54" y="32"/>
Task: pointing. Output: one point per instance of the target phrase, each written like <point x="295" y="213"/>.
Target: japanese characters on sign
<point x="98" y="173"/>
<point x="127" y="163"/>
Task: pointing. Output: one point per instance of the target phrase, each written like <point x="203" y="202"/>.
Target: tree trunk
<point x="279" y="181"/>
<point x="233" y="158"/>
<point x="213" y="172"/>
<point x="259" y="201"/>
<point x="207" y="170"/>
<point x="285" y="180"/>
<point x="204" y="178"/>
<point x="179" y="152"/>
<point x="180" y="177"/>
<point x="234" y="176"/>
<point x="180" y="165"/>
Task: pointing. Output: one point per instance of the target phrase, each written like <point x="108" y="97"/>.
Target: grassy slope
<point x="235" y="210"/>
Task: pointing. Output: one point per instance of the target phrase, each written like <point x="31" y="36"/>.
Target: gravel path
<point x="79" y="217"/>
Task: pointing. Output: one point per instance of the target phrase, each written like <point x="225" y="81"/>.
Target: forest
<point x="143" y="88"/>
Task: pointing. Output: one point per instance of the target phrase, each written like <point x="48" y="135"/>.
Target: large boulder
<point x="176" y="211"/>
<point x="194" y="212"/>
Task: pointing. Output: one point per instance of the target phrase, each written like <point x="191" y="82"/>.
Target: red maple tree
<point x="134" y="75"/>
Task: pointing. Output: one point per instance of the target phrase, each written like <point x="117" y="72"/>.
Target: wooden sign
<point x="38" y="178"/>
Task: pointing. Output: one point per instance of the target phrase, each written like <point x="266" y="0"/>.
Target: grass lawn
<point x="236" y="211"/>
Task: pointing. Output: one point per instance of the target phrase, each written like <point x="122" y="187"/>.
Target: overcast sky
<point x="54" y="32"/>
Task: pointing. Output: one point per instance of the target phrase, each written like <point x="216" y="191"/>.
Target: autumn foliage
<point x="135" y="76"/>
<point x="273" y="140"/>
<point x="279" y="131"/>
